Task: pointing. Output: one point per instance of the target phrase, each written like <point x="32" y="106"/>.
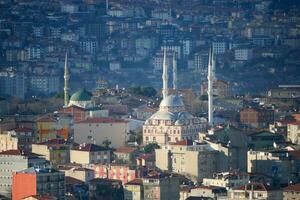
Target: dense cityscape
<point x="149" y="99"/>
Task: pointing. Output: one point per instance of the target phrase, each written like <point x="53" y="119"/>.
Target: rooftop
<point x="16" y="152"/>
<point x="89" y="148"/>
<point x="136" y="181"/>
<point x="125" y="150"/>
<point x="292" y="188"/>
<point x="101" y="120"/>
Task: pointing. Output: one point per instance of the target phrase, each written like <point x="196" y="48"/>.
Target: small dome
<point x="161" y="115"/>
<point x="81" y="95"/>
<point x="179" y="122"/>
<point x="172" y="101"/>
<point x="185" y="116"/>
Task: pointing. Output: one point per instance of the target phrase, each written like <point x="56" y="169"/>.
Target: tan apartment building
<point x="134" y="190"/>
<point x="293" y="132"/>
<point x="196" y="160"/>
<point x="211" y="192"/>
<point x="220" y="88"/>
<point x="254" y="191"/>
<point x="25" y="137"/>
<point x="291" y="192"/>
<point x="90" y="154"/>
<point x="126" y="155"/>
<point x="57" y="151"/>
<point x="77" y="172"/>
<point x="8" y="142"/>
<point x="227" y="180"/>
<point x="97" y="130"/>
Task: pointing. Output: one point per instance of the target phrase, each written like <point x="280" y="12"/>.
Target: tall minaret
<point x="66" y="86"/>
<point x="106" y="5"/>
<point x="165" y="76"/>
<point x="174" y="72"/>
<point x="210" y="79"/>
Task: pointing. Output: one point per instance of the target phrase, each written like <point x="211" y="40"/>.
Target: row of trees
<point x="143" y="91"/>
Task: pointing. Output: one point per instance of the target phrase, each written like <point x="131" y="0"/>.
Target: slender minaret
<point x="210" y="79"/>
<point x="165" y="76"/>
<point x="66" y="86"/>
<point x="174" y="72"/>
<point x="106" y="4"/>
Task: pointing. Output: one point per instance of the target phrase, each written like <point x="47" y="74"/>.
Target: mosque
<point x="80" y="104"/>
<point x="171" y="123"/>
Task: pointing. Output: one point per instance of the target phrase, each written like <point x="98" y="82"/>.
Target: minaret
<point x="106" y="5"/>
<point x="174" y="72"/>
<point x="66" y="86"/>
<point x="210" y="79"/>
<point x="165" y="76"/>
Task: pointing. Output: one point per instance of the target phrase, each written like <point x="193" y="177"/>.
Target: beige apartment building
<point x="254" y="191"/>
<point x="227" y="180"/>
<point x="134" y="190"/>
<point x="89" y="154"/>
<point x="80" y="173"/>
<point x="291" y="192"/>
<point x="97" y="130"/>
<point x="8" y="142"/>
<point x="196" y="160"/>
<point x="57" y="151"/>
<point x="293" y="132"/>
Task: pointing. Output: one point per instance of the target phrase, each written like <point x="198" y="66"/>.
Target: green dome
<point x="81" y="95"/>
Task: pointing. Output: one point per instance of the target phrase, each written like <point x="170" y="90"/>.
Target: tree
<point x="106" y="143"/>
<point x="151" y="147"/>
<point x="143" y="91"/>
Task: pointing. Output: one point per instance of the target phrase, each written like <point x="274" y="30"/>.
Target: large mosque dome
<point x="81" y="98"/>
<point x="172" y="101"/>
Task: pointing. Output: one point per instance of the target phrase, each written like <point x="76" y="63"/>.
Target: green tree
<point x="151" y="147"/>
<point x="106" y="143"/>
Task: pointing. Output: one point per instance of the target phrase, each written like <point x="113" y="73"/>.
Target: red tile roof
<point x="46" y="119"/>
<point x="101" y="120"/>
<point x="255" y="187"/>
<point x="22" y="129"/>
<point x="294" y="188"/>
<point x="294" y="123"/>
<point x="16" y="152"/>
<point x="295" y="153"/>
<point x="146" y="156"/>
<point x="183" y="143"/>
<point x="125" y="150"/>
<point x="73" y="181"/>
<point x="136" y="181"/>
